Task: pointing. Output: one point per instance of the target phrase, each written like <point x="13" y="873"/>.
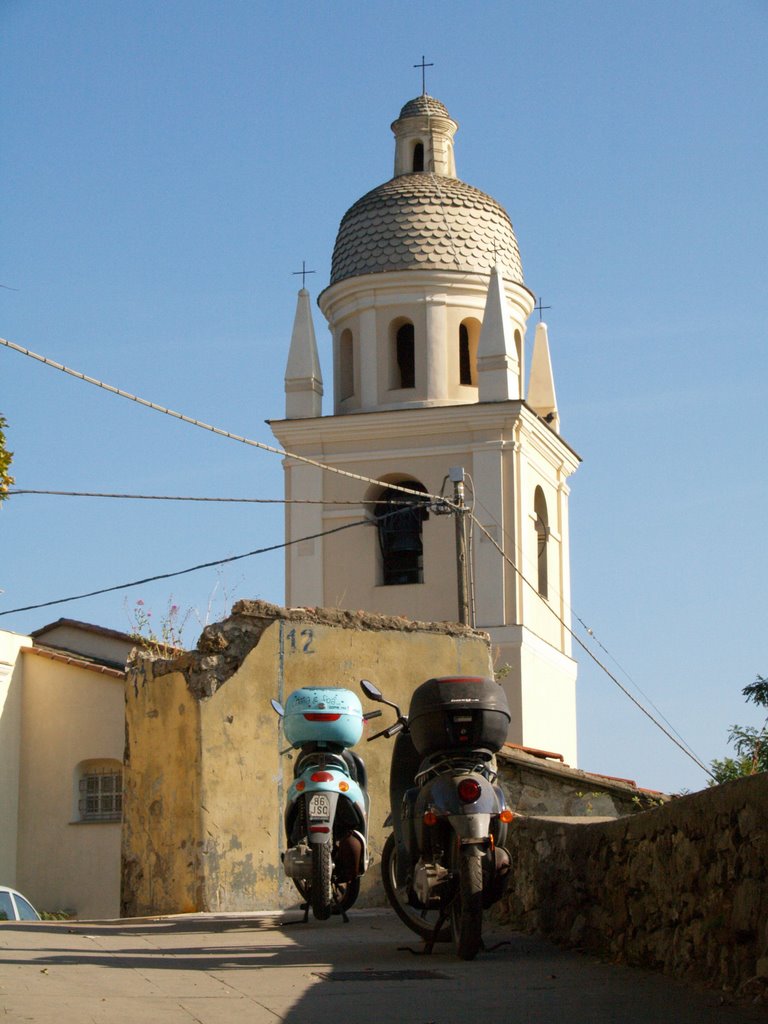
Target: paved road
<point x="263" y="968"/>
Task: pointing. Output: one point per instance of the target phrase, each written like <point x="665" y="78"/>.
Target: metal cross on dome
<point x="541" y="309"/>
<point x="423" y="67"/>
<point x="303" y="273"/>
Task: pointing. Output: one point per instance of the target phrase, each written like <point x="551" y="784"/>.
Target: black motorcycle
<point x="445" y="861"/>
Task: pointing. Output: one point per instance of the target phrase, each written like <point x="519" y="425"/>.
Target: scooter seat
<point x="357" y="770"/>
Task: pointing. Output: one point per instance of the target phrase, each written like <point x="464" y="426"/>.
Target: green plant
<point x="162" y="637"/>
<point x="750" y="743"/>
<point x="6" y="458"/>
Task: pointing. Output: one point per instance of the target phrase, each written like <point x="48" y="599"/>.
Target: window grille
<point x="101" y="795"/>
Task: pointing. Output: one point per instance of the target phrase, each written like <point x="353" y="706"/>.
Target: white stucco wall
<point x="10" y="746"/>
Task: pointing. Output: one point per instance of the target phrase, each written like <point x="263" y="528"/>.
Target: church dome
<point x="425" y="221"/>
<point x="425" y="217"/>
<point x="424" y="104"/>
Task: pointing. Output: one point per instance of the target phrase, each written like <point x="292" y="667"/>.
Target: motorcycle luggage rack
<point x="320" y="759"/>
<point x="471" y="761"/>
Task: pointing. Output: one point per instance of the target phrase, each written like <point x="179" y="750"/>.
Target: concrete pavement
<point x="263" y="968"/>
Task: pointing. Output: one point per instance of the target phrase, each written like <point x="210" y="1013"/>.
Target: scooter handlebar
<point x="390" y="731"/>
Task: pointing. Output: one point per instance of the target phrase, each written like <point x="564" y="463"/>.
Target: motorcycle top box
<point x="323" y="714"/>
<point x="458" y="713"/>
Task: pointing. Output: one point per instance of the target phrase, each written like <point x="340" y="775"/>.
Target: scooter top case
<point x="453" y="713"/>
<point x="323" y="714"/>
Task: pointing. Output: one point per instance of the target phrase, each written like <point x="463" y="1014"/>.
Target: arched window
<point x="399" y="518"/>
<point x="418" y="157"/>
<point x="542" y="537"/>
<point x="405" y="357"/>
<point x="469" y="335"/>
<point x="465" y="365"/>
<point x="346" y="366"/>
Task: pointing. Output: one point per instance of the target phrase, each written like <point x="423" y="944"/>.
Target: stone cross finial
<point x="423" y="67"/>
<point x="303" y="273"/>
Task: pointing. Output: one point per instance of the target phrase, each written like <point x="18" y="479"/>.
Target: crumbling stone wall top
<point x="223" y="646"/>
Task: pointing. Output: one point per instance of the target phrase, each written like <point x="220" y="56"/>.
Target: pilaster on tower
<point x="303" y="379"/>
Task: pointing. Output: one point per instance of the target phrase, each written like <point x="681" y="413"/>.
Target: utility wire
<point x="594" y="657"/>
<point x="183" y="572"/>
<point x="180" y="497"/>
<point x="209" y="565"/>
<point x="207" y="426"/>
<point x="589" y="631"/>
<point x="312" y="462"/>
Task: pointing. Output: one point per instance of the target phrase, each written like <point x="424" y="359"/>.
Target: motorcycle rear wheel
<point x="467" y="907"/>
<point x="321" y="893"/>
<point x="343" y="894"/>
<point x="422" y="922"/>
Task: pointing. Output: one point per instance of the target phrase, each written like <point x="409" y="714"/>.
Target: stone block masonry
<point x="681" y="888"/>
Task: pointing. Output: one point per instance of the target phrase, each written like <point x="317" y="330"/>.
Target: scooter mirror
<point x="277" y="706"/>
<point x="371" y="692"/>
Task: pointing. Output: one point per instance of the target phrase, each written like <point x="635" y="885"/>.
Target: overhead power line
<point x="587" y="629"/>
<point x="183" y="572"/>
<point x="181" y="497"/>
<point x="209" y="565"/>
<point x="681" y="745"/>
<point x="207" y="426"/>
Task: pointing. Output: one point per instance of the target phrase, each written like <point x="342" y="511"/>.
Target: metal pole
<point x="456" y="474"/>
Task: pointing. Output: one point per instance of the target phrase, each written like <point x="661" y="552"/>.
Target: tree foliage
<point x="750" y="744"/>
<point x="6" y="458"/>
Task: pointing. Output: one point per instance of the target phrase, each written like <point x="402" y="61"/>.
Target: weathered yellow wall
<point x="212" y="760"/>
<point x="161" y="793"/>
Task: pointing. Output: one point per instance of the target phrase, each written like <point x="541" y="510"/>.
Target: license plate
<point x="319" y="806"/>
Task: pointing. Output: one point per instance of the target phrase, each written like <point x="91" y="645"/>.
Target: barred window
<point x="101" y="794"/>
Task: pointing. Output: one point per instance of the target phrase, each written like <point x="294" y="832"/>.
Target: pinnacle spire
<point x="498" y="359"/>
<point x="541" y="385"/>
<point x="303" y="378"/>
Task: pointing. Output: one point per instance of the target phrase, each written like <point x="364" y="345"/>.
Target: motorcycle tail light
<point x="321" y="777"/>
<point x="506" y="816"/>
<point x="318" y="716"/>
<point x="430" y="818"/>
<point x="469" y="790"/>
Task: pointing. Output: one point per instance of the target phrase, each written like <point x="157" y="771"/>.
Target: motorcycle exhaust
<point x="297" y="862"/>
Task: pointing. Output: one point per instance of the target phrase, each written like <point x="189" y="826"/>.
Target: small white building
<point x="428" y="311"/>
<point x="62" y="735"/>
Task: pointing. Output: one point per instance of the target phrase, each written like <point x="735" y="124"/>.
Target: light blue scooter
<point x="326" y="813"/>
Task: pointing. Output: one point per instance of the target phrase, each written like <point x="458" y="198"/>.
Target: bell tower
<point x="428" y="310"/>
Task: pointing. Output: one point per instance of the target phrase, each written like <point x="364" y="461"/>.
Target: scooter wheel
<point x="422" y="922"/>
<point x="467" y="907"/>
<point x="320" y="893"/>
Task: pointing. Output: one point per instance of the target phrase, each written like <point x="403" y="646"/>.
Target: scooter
<point x="326" y="814"/>
<point x="445" y="862"/>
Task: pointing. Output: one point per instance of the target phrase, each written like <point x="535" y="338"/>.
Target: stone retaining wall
<point x="681" y="888"/>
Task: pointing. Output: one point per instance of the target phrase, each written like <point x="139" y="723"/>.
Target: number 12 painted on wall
<point x="304" y="644"/>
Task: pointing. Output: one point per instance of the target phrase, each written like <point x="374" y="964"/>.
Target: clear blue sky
<point x="166" y="166"/>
